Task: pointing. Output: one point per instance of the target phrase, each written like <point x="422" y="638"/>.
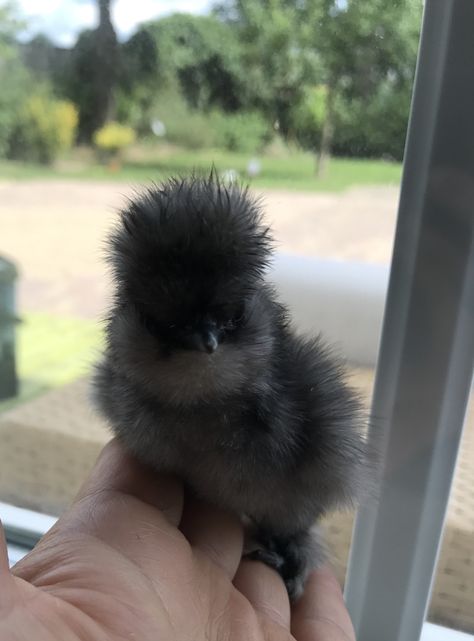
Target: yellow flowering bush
<point x="113" y="137"/>
<point x="67" y="119"/>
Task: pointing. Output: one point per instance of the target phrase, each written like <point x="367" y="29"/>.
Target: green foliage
<point x="194" y="129"/>
<point x="113" y="137"/>
<point x="138" y="81"/>
<point x="42" y="58"/>
<point x="303" y="67"/>
<point x="91" y="75"/>
<point x="177" y="69"/>
<point x="195" y="132"/>
<point x="363" y="51"/>
<point x="375" y="127"/>
<point x="15" y="83"/>
<point x="76" y="85"/>
<point x="243" y="131"/>
<point x="34" y="126"/>
<point x="202" y="56"/>
<point x="184" y="126"/>
<point x="139" y="59"/>
<point x="372" y="106"/>
<point x="44" y="128"/>
<point x="108" y="80"/>
<point x="275" y="63"/>
<point x="10" y="25"/>
<point x="307" y="118"/>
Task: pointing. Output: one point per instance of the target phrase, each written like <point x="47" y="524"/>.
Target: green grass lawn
<point x="289" y="170"/>
<point x="52" y="351"/>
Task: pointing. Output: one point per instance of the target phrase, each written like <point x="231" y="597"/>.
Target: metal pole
<point x="427" y="349"/>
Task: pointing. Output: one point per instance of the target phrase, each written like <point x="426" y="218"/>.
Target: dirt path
<point x="54" y="232"/>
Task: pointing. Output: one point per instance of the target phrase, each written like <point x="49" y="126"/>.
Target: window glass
<point x="307" y="101"/>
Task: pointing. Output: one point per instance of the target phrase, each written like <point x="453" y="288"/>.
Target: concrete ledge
<point x="48" y="447"/>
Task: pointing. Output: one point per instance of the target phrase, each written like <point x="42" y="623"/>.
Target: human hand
<point x="133" y="558"/>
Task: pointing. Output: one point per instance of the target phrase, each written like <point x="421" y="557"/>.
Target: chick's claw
<point x="293" y="557"/>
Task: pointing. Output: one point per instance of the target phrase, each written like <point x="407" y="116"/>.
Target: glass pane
<point x="124" y="97"/>
<point x="306" y="101"/>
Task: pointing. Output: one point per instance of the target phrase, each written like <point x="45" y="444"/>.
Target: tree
<point x="203" y="55"/>
<point x="93" y="74"/>
<point x="275" y="62"/>
<point x="139" y="80"/>
<point x="107" y="60"/>
<point x="15" y="82"/>
<point x="10" y="25"/>
<point x="361" y="53"/>
<point x="369" y="50"/>
<point x="46" y="61"/>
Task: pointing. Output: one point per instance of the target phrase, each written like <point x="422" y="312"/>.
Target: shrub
<point x="193" y="131"/>
<point x="184" y="126"/>
<point x="307" y="117"/>
<point x="113" y="138"/>
<point x="44" y="128"/>
<point x="67" y="118"/>
<point x="245" y="131"/>
<point x="375" y="127"/>
<point x="242" y="131"/>
<point x="15" y="83"/>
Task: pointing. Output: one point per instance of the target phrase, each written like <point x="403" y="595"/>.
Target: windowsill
<point x="23" y="528"/>
<point x="433" y="632"/>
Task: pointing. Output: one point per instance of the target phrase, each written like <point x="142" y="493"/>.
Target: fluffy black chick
<point x="204" y="377"/>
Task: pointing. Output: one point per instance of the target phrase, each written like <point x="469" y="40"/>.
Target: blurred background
<point x="305" y="100"/>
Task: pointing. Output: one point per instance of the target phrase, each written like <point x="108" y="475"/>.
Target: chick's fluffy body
<point x="264" y="425"/>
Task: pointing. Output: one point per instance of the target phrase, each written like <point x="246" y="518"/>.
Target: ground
<point x="54" y="231"/>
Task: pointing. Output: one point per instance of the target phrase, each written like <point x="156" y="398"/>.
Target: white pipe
<point x="342" y="300"/>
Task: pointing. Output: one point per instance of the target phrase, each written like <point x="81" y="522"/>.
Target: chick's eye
<point x="149" y="323"/>
<point x="235" y="321"/>
<point x="229" y="326"/>
<point x="152" y="325"/>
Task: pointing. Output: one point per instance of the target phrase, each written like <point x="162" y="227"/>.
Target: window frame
<point x="425" y="364"/>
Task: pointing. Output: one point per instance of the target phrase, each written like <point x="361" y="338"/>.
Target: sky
<point x="62" y="20"/>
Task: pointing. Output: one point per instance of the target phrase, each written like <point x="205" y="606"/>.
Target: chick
<point x="203" y="375"/>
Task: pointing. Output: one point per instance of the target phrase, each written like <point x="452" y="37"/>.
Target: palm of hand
<point x="116" y="566"/>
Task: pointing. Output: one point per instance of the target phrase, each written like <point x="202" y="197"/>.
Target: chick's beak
<point x="206" y="341"/>
<point x="210" y="342"/>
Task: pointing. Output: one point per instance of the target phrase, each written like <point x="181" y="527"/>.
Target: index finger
<point x="215" y="533"/>
<point x="321" y="614"/>
<point x="264" y="589"/>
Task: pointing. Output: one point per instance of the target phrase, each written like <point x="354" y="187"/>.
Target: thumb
<point x="118" y="471"/>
